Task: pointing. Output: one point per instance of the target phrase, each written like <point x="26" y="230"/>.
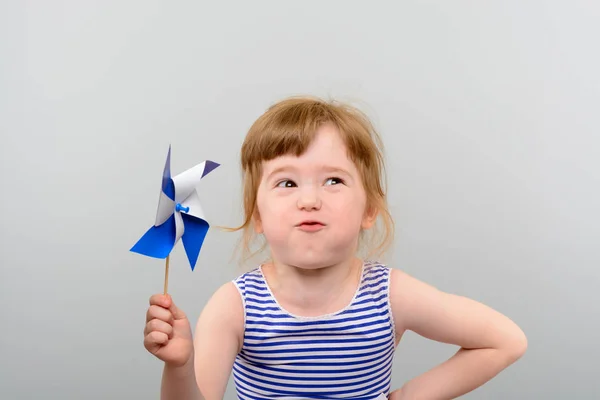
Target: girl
<point x="316" y="321"/>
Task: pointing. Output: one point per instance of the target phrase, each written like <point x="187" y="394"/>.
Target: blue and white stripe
<point x="343" y="355"/>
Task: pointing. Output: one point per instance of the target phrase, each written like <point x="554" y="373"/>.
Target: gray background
<point x="489" y="111"/>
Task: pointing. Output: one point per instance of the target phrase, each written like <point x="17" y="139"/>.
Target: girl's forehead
<point x="326" y="145"/>
<point x="327" y="152"/>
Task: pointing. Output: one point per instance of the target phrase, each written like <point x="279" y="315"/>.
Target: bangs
<point x="288" y="128"/>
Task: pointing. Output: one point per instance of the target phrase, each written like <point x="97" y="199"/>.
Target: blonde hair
<point x="288" y="128"/>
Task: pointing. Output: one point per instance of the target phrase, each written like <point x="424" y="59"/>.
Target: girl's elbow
<point x="521" y="347"/>
<point x="516" y="345"/>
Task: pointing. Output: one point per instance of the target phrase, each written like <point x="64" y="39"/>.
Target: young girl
<point x="316" y="321"/>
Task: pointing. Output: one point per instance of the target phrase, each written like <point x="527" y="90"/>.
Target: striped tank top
<point x="344" y="355"/>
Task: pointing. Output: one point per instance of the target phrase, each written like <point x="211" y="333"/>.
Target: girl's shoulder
<point x="253" y="274"/>
<point x="375" y="265"/>
<point x="374" y="268"/>
<point x="248" y="280"/>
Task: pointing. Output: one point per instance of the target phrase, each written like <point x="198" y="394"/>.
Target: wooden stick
<point x="167" y="274"/>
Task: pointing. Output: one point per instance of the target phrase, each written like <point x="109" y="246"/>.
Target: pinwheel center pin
<point x="180" y="208"/>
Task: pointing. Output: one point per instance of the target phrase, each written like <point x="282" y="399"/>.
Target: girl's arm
<point x="489" y="341"/>
<point x="217" y="340"/>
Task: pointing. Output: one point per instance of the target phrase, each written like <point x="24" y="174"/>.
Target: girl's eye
<point x="286" y="183"/>
<point x="334" y="181"/>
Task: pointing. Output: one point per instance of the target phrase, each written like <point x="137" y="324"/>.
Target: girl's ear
<point x="370" y="217"/>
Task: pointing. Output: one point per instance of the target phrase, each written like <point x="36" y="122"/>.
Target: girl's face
<point x="312" y="208"/>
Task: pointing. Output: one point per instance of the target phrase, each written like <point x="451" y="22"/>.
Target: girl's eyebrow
<point x="280" y="169"/>
<point x="325" y="168"/>
<point x="336" y="170"/>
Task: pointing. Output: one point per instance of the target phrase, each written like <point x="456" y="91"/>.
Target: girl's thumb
<point x="176" y="311"/>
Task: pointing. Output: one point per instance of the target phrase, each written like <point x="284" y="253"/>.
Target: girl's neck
<point x="314" y="292"/>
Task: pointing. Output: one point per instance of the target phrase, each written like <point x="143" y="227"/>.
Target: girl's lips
<point x="310" y="226"/>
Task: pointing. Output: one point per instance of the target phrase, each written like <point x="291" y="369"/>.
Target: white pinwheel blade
<point x="179" y="227"/>
<point x="187" y="181"/>
<point x="165" y="209"/>
<point x="193" y="202"/>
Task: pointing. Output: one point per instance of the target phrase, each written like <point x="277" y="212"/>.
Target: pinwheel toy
<point x="179" y="216"/>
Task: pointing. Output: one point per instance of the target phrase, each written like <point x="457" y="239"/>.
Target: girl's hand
<point x="168" y="334"/>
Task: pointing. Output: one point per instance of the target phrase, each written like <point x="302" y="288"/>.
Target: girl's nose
<point x="309" y="199"/>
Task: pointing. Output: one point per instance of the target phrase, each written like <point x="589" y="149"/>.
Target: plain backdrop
<point x="489" y="113"/>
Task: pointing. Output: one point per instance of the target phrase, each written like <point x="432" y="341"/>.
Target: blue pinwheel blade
<point x="193" y="237"/>
<point x="209" y="166"/>
<point x="167" y="183"/>
<point x="158" y="241"/>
